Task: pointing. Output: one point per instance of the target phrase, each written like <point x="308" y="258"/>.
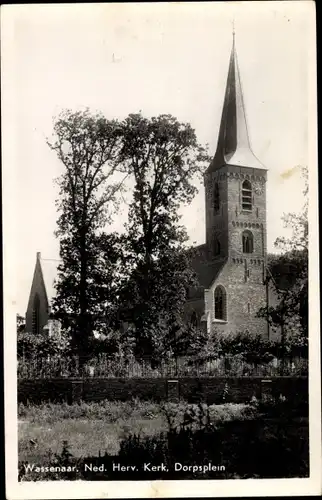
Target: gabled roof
<point x="206" y="270"/>
<point x="233" y="147"/>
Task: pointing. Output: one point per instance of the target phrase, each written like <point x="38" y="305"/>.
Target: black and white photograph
<point x="161" y="290"/>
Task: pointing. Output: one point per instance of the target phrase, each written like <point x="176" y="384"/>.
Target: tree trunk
<point x="83" y="327"/>
<point x="283" y="347"/>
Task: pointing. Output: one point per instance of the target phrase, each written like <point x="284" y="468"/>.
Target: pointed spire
<point x="233" y="145"/>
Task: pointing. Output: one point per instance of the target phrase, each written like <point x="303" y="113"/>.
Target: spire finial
<point x="233" y="23"/>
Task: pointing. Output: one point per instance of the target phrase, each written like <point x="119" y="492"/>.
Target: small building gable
<point x="41" y="294"/>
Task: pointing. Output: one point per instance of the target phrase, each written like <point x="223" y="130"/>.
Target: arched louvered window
<point x="248" y="242"/>
<point x="36" y="315"/>
<point x="216" y="198"/>
<point x="220" y="303"/>
<point x="246" y="195"/>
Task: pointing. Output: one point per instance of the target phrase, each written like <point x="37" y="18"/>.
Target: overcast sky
<point x="154" y="58"/>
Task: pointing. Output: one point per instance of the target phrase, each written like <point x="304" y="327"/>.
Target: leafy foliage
<point x="253" y="349"/>
<point x="87" y="145"/>
<point x="289" y="274"/>
<point x="163" y="156"/>
<point x="21" y="323"/>
<point x="240" y="444"/>
<point x="30" y="345"/>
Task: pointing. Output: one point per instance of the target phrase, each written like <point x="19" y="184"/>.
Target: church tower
<point x="235" y="184"/>
<point x="235" y="195"/>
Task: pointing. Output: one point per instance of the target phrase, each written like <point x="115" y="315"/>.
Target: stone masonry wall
<point x="243" y="276"/>
<point x="243" y="299"/>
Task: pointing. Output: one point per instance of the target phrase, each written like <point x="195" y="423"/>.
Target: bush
<point x="254" y="444"/>
<point x="241" y="442"/>
<point x="30" y="345"/>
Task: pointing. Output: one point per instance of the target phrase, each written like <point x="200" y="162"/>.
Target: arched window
<point x="248" y="242"/>
<point x="220" y="303"/>
<point x="194" y="319"/>
<point x="36" y="315"/>
<point x="216" y="246"/>
<point x="246" y="195"/>
<point x="216" y="198"/>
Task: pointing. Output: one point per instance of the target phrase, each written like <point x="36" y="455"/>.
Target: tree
<point x="297" y="250"/>
<point x="289" y="275"/>
<point x="298" y="223"/>
<point x="21" y="323"/>
<point x="163" y="156"/>
<point x="88" y="146"/>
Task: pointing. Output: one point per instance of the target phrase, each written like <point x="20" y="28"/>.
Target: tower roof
<point x="233" y="147"/>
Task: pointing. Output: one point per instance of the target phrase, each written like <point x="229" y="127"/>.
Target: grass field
<point x="99" y="427"/>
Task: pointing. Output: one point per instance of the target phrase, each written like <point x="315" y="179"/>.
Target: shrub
<point x="238" y="437"/>
<point x="30" y="345"/>
<point x="241" y="443"/>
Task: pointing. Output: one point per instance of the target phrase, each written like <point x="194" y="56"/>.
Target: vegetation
<point x="113" y="411"/>
<point x="51" y="366"/>
<point x="236" y="438"/>
<point x="163" y="157"/>
<point x="289" y="275"/>
<point x="91" y="427"/>
<point x="31" y="346"/>
<point x="144" y="273"/>
<point x="251" y="349"/>
<point x="21" y="323"/>
<point x="87" y="146"/>
<point x="244" y="354"/>
<point x="142" y="276"/>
